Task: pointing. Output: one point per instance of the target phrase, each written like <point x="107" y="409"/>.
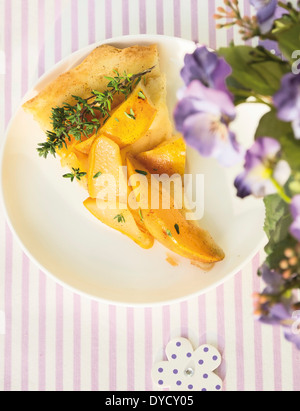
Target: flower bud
<point x="293" y="261"/>
<point x="289" y="253"/>
<point x="287" y="274"/>
<point x="284" y="265"/>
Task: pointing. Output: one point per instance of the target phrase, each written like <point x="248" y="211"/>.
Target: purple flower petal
<point x="243" y="187"/>
<point x="254" y="180"/>
<point x="231" y="153"/>
<point x="295" y="229"/>
<point x="261" y="163"/>
<point x="295" y="207"/>
<point x="205" y="66"/>
<point x="212" y="97"/>
<point x="200" y="134"/>
<point x="263" y="148"/>
<point x="267" y="12"/>
<point x="189" y="106"/>
<point x="287" y="101"/>
<point x="295" y="211"/>
<point x="281" y="312"/>
<point x="276" y="315"/>
<point x="203" y="115"/>
<point x="293" y="338"/>
<point x="273" y="279"/>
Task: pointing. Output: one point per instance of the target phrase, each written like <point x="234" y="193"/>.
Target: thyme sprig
<point x="86" y="116"/>
<point x="120" y="218"/>
<point x="76" y="174"/>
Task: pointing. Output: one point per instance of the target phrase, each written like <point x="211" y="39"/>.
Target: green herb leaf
<point x="144" y="173"/>
<point x="76" y="174"/>
<point x="131" y="116"/>
<point x="80" y="175"/>
<point x="141" y="95"/>
<point x="120" y="218"/>
<point x="69" y="175"/>
<point x="82" y="118"/>
<point x="169" y="233"/>
<point x="141" y="215"/>
<point x="177" y="228"/>
<point x="97" y="175"/>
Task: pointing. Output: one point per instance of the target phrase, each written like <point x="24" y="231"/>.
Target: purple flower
<point x="292" y="334"/>
<point x="267" y="12"/>
<point x="295" y="210"/>
<point x="273" y="280"/>
<point x="203" y="116"/>
<point x="293" y="338"/>
<point x="262" y="168"/>
<point x="207" y="67"/>
<point x="275" y="314"/>
<point x="287" y="101"/>
<point x="274" y="307"/>
<point x="271" y="313"/>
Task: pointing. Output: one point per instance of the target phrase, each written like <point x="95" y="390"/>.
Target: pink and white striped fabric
<point x="57" y="340"/>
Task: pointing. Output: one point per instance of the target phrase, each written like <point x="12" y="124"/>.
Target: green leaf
<point x="254" y="70"/>
<point x="276" y="209"/>
<point x="97" y="175"/>
<point x="141" y="95"/>
<point x="143" y="173"/>
<point x="130" y="116"/>
<point x="120" y="218"/>
<point x="80" y="175"/>
<point x="169" y="233"/>
<point x="271" y="126"/>
<point x="71" y="176"/>
<point x="289" y="41"/>
<point x="277" y="225"/>
<point x="141" y="215"/>
<point x="73" y="120"/>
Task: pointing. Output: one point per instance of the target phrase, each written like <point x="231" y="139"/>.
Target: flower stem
<point x="260" y="100"/>
<point x="292" y="11"/>
<point x="281" y="191"/>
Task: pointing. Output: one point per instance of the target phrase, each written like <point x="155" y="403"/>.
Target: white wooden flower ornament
<point x="188" y="370"/>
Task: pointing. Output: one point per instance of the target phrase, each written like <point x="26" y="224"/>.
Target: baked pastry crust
<point x="90" y="75"/>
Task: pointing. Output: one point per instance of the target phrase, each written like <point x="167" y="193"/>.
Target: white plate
<point x="46" y="213"/>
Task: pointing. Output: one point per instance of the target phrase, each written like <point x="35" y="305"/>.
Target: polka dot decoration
<point x="188" y="370"/>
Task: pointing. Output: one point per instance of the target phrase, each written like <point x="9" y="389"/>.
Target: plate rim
<point x="82" y="52"/>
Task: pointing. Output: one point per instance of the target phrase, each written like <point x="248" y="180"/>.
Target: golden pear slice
<point x="85" y="146"/>
<point x="120" y="220"/>
<point x="171" y="228"/>
<point x="77" y="161"/>
<point x="131" y="120"/>
<point x="105" y="159"/>
<point x="168" y="158"/>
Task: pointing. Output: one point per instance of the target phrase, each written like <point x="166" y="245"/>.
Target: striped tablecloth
<point x="56" y="340"/>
